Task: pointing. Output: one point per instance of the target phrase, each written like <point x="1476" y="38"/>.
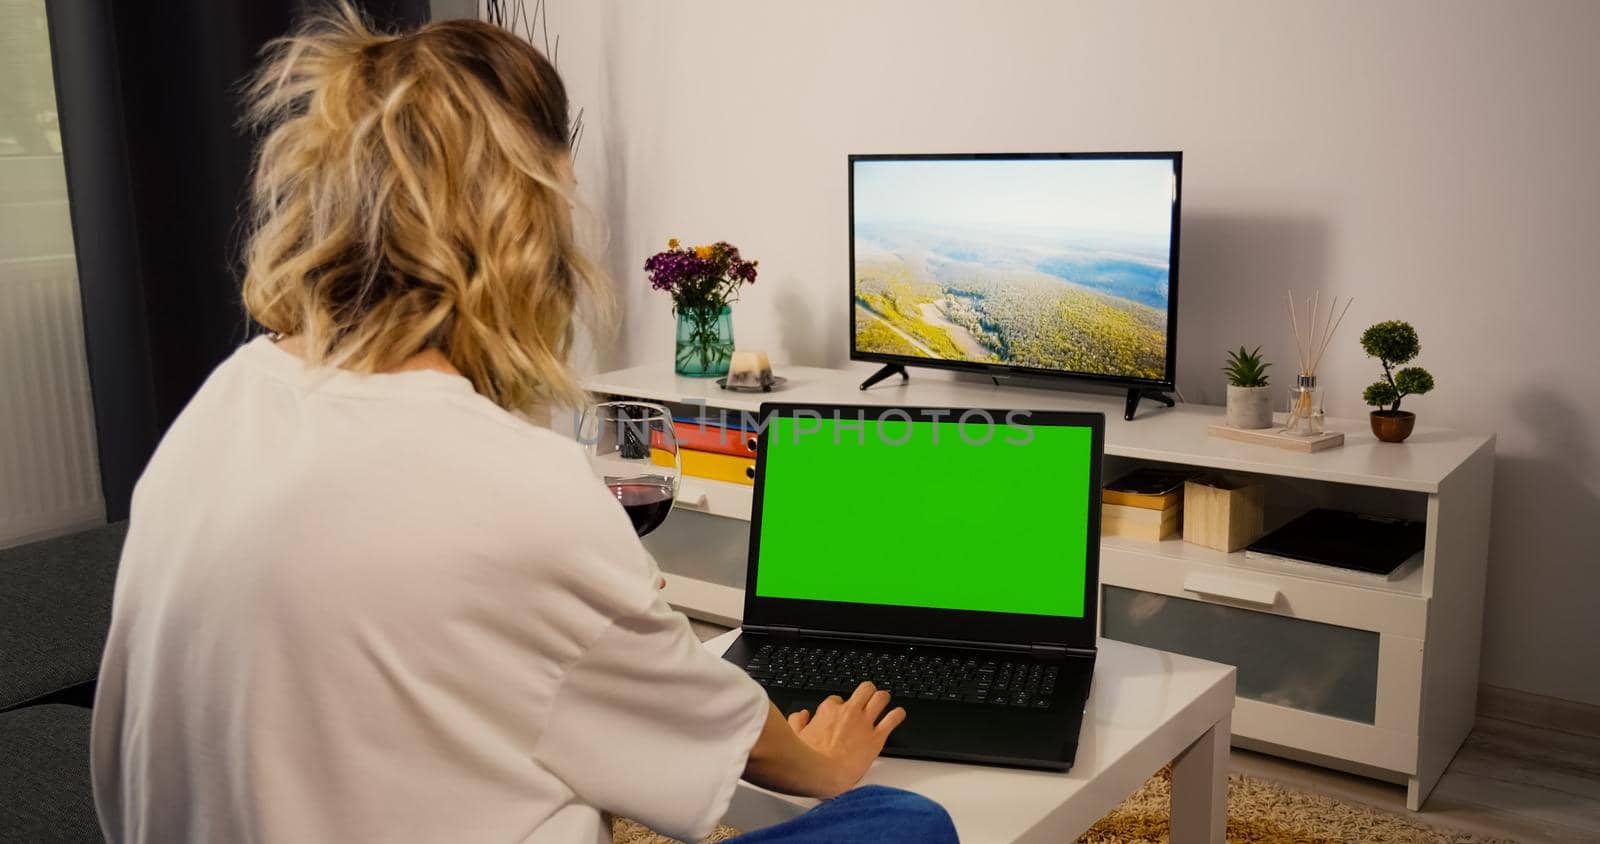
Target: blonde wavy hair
<point x="414" y="191"/>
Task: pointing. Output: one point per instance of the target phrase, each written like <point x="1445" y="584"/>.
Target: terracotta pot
<point x="1393" y="426"/>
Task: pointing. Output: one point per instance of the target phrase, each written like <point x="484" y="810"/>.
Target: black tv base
<point x="1136" y="393"/>
<point x="887" y="370"/>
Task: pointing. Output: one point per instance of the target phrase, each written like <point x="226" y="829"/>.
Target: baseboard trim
<point x="38" y="527"/>
<point x="1567" y="716"/>
<point x="1295" y="754"/>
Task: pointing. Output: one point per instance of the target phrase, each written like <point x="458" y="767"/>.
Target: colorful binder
<point x="710" y="465"/>
<point x="712" y="438"/>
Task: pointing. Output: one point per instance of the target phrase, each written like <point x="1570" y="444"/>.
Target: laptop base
<point x="1006" y="734"/>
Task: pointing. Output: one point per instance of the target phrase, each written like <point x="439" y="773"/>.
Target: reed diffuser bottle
<point x="1305" y="408"/>
<point x="1310" y="342"/>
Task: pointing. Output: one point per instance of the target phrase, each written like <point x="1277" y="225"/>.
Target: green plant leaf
<point x="1393" y="342"/>
<point x="1245" y="369"/>
<point x="1413" y="381"/>
<point x="1379" y="393"/>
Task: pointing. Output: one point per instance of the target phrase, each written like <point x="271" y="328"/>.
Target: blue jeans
<point x="869" y="813"/>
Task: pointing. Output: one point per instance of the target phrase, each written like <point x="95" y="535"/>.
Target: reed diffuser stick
<point x="1294" y="320"/>
<point x="1304" y="406"/>
<point x="1311" y="342"/>
<point x="1318" y="344"/>
<point x="1327" y="336"/>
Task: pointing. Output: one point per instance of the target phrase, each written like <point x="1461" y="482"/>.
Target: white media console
<point x="1377" y="677"/>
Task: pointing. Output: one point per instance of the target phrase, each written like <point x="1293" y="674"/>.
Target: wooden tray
<point x="1277" y="439"/>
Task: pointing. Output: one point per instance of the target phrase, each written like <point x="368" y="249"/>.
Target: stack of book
<point x="1145" y="504"/>
<point x="712" y="451"/>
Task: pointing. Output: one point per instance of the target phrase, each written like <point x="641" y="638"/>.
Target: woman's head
<point x="412" y="192"/>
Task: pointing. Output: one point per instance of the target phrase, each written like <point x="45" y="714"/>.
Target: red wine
<point x="647" y="502"/>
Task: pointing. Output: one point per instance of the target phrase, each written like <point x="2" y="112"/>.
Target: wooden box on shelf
<point x="1222" y="514"/>
<point x="1140" y="522"/>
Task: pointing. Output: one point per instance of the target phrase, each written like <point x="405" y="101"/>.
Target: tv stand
<point x="887" y="370"/>
<point x="1379" y="677"/>
<point x="1136" y="393"/>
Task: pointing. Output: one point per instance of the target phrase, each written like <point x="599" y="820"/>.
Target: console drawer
<point x="1305" y="665"/>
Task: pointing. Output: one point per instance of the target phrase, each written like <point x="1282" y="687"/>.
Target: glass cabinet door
<point x="1304" y="665"/>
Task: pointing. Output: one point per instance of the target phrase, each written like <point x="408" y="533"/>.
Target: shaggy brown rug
<point x="1259" y="812"/>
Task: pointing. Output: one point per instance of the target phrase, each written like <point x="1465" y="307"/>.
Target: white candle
<point x="749" y="369"/>
<point x="745" y="363"/>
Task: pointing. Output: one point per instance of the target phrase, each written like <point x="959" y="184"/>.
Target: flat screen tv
<point x="1049" y="264"/>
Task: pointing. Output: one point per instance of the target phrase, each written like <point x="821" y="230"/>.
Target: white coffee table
<point x="1147" y="708"/>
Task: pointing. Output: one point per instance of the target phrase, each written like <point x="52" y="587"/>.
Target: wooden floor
<point x="1510" y="780"/>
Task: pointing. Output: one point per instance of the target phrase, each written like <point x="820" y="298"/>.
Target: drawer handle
<point x="1236" y="590"/>
<point x="692" y="497"/>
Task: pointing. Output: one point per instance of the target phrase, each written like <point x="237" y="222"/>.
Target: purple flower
<point x="670" y="269"/>
<point x="700" y="276"/>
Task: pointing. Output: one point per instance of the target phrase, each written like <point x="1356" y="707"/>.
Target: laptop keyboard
<point x="907" y="675"/>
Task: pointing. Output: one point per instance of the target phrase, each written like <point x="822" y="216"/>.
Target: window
<point x="49" y="474"/>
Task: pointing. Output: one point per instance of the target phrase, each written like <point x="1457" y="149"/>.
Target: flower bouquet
<point x="702" y="281"/>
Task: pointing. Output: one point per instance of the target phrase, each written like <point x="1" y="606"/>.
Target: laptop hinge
<point x="1049" y="650"/>
<point x="781" y="632"/>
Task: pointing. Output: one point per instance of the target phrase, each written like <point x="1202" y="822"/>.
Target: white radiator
<point x="49" y="463"/>
<point x="49" y="467"/>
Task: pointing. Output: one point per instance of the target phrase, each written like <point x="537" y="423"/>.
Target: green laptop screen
<point x="926" y="513"/>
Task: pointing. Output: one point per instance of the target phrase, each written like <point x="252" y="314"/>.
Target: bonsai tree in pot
<point x="1249" y="397"/>
<point x="1394" y="343"/>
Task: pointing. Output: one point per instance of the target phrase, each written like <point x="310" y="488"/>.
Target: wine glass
<point x="632" y="449"/>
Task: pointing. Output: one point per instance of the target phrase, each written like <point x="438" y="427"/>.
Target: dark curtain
<point x="148" y="95"/>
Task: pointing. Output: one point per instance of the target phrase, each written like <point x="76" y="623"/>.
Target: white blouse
<point x="379" y="608"/>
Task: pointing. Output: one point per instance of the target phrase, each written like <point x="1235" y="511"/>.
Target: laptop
<point x="950" y="556"/>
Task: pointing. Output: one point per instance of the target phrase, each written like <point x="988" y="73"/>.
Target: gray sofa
<point x="55" y="607"/>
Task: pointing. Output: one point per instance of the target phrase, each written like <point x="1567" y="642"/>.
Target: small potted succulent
<point x="1249" y="397"/>
<point x="1394" y="343"/>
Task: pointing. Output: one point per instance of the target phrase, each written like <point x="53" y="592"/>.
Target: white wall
<point x="1439" y="161"/>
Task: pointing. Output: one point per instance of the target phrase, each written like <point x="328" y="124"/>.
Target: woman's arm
<point x="825" y="755"/>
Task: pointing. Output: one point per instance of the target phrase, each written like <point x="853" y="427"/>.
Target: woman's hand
<point x="848" y="733"/>
<point x="825" y="755"/>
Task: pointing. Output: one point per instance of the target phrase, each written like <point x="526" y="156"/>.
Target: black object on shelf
<point x="1151" y="481"/>
<point x="885" y="371"/>
<point x="1137" y="393"/>
<point x="1355" y="541"/>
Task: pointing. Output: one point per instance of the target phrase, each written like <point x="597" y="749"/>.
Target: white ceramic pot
<point x="1249" y="407"/>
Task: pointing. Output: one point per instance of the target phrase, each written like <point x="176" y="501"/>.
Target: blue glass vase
<point x="705" y="341"/>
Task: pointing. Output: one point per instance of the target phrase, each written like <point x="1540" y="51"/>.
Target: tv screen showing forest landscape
<point x="1052" y="263"/>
